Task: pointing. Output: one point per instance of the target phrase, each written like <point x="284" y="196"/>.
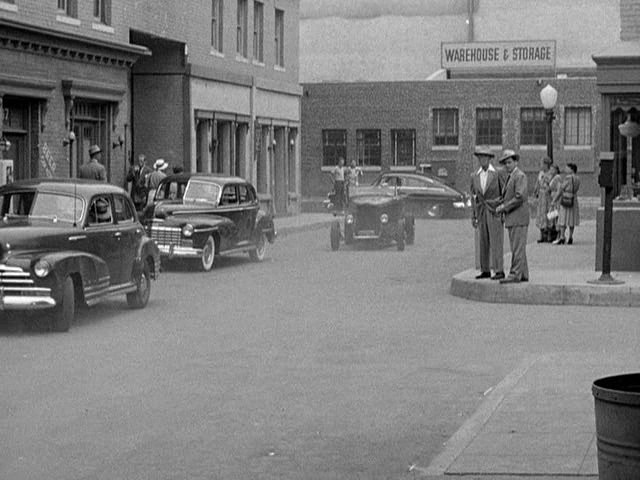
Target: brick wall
<point x="392" y="105"/>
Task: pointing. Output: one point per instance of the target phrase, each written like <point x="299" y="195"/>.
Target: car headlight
<point x="384" y="218"/>
<point x="42" y="268"/>
<point x="349" y="219"/>
<point x="187" y="230"/>
<point x="459" y="204"/>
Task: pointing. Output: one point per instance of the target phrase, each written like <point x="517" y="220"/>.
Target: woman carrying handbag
<point x="567" y="198"/>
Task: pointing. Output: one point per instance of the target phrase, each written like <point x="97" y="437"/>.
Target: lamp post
<point x="69" y="141"/>
<point x="549" y="96"/>
<point x="629" y="129"/>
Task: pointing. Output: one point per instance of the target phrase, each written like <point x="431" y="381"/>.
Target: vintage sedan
<point x="425" y="196"/>
<point x="68" y="242"/>
<point x="374" y="215"/>
<point x="199" y="216"/>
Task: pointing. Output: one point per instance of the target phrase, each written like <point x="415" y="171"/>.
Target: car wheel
<point x="208" y="254"/>
<point x="410" y="228"/>
<point x="257" y="254"/>
<point x="435" y="211"/>
<point x="335" y="235"/>
<point x="63" y="313"/>
<point x="140" y="297"/>
<point x="400" y="235"/>
<point x="348" y="234"/>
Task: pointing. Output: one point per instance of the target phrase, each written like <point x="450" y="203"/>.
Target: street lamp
<point x="629" y="129"/>
<point x="549" y="97"/>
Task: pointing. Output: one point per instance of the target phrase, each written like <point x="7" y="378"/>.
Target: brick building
<point x="209" y="85"/>
<point x="434" y="122"/>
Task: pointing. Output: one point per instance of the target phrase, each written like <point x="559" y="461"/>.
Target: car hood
<point x="28" y="234"/>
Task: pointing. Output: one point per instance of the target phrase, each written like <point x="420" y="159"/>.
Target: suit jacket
<point x="93" y="171"/>
<point x="491" y="197"/>
<point x="516" y="199"/>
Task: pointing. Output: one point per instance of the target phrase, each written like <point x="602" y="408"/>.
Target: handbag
<point x="567" y="197"/>
<point x="552" y="215"/>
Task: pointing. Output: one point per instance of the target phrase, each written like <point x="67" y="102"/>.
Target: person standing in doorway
<point x="137" y="175"/>
<point x="515" y="208"/>
<point x="93" y="169"/>
<point x="486" y="195"/>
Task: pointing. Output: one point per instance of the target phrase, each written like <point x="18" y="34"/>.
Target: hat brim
<point x="484" y="154"/>
<point x="515" y="157"/>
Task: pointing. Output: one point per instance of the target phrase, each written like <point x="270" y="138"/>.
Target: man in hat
<point x="515" y="208"/>
<point x="137" y="175"/>
<point x="486" y="195"/>
<point x="93" y="169"/>
<point x="157" y="175"/>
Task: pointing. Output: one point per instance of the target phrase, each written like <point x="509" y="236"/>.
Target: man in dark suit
<point x="486" y="194"/>
<point x="93" y="169"/>
<point x="515" y="207"/>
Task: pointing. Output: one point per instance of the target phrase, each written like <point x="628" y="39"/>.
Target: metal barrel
<point x="617" y="411"/>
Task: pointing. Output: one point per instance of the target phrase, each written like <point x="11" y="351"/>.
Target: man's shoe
<point x="524" y="279"/>
<point x="498" y="276"/>
<point x="510" y="279"/>
<point x="483" y="275"/>
<point x="570" y="241"/>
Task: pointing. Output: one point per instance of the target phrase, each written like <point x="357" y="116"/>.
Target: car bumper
<point x="26" y="302"/>
<point x="176" y="251"/>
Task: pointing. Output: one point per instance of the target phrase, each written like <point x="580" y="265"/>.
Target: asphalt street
<point x="355" y="364"/>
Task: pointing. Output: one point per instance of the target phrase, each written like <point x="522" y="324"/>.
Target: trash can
<point x="617" y="409"/>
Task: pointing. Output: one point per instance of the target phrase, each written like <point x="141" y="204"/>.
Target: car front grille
<point x="16" y="282"/>
<point x="165" y="235"/>
<point x="368" y="218"/>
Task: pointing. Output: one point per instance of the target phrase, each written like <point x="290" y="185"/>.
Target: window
<point x="368" y="148"/>
<point x="279" y="40"/>
<point x="243" y="193"/>
<point x="216" y="25"/>
<point x="100" y="211"/>
<point x="242" y="28"/>
<point x="102" y="11"/>
<point x="403" y="147"/>
<point x="258" y="31"/>
<point x="445" y="126"/>
<point x="533" y="126"/>
<point x="334" y="146"/>
<point x="69" y="7"/>
<point x="229" y="195"/>
<point x="489" y="126"/>
<point x="577" y="126"/>
<point x="124" y="213"/>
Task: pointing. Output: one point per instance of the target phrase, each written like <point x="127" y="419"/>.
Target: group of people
<point x="557" y="209"/>
<point x="500" y="200"/>
<point x="343" y="178"/>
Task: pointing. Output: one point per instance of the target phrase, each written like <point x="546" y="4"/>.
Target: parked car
<point x="66" y="242"/>
<point x="374" y="214"/>
<point x="199" y="216"/>
<point x="426" y="197"/>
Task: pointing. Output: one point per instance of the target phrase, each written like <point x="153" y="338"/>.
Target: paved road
<point x="314" y="364"/>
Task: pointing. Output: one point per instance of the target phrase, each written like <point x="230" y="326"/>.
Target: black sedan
<point x="66" y="242"/>
<point x="200" y="216"/>
<point x="425" y="196"/>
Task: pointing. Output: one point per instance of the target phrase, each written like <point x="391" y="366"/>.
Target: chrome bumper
<point x="22" y="302"/>
<point x="176" y="251"/>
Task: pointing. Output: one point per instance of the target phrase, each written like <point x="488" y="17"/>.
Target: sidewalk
<point x="559" y="275"/>
<point x="302" y="222"/>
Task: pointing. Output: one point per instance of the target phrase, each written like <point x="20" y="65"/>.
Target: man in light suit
<point x="486" y="194"/>
<point x="515" y="207"/>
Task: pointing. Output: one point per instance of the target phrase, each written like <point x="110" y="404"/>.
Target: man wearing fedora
<point x="93" y="169"/>
<point x="486" y="195"/>
<point x="157" y="175"/>
<point x="515" y="208"/>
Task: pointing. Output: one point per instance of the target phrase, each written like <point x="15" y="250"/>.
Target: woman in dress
<point x="543" y="194"/>
<point x="554" y="186"/>
<point x="568" y="216"/>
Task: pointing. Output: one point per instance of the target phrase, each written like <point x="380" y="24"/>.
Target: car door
<point x="130" y="234"/>
<point x="229" y="207"/>
<point x="249" y="212"/>
<point x="104" y="235"/>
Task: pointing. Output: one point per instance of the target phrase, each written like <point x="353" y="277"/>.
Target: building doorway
<point x="90" y="126"/>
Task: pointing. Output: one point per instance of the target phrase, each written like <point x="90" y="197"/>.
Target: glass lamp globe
<point x="549" y="96"/>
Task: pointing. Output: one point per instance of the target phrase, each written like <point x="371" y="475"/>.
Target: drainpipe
<point x="470" y="10"/>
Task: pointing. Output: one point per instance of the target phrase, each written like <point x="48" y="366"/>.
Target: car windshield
<point x="201" y="192"/>
<point x="48" y="205"/>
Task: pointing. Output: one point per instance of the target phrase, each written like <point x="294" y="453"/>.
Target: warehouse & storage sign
<point x="526" y="53"/>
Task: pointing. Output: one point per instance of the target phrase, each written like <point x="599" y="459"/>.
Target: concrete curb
<point x="576" y="291"/>
<point x="292" y="229"/>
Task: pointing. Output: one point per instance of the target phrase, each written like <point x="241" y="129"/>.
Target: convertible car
<point x="65" y="242"/>
<point x="199" y="216"/>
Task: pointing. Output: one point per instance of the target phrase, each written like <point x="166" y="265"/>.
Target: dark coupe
<point x="374" y="214"/>
<point x="67" y="242"/>
<point x="199" y="216"/>
<point x="426" y="196"/>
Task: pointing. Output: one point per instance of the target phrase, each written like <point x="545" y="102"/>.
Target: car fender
<point x="264" y="224"/>
<point x="147" y="249"/>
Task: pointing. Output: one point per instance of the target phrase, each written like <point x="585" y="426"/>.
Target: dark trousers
<point x="518" y="243"/>
<point x="338" y="187"/>
<point x="490" y="241"/>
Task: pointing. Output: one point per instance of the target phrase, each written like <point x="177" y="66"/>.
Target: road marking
<point x="471" y="428"/>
